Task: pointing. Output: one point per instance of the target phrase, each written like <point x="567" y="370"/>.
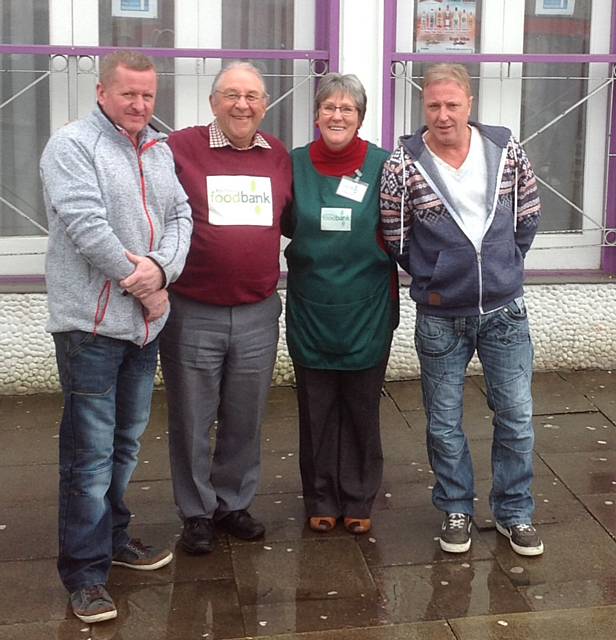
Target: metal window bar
<point x="391" y="56"/>
<point x="399" y="71"/>
<point x="318" y="59"/>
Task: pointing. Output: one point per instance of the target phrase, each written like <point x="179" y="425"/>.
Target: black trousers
<point x="341" y="458"/>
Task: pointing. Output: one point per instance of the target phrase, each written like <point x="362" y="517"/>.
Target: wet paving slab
<point x="447" y="590"/>
<point x="30" y="412"/>
<point x="554" y="393"/>
<point x="572" y="595"/>
<point x="596" y="623"/>
<point x="31" y="592"/>
<point x="598" y="387"/>
<point x="29" y="531"/>
<point x="584" y="472"/>
<point x="573" y="432"/>
<point x="28" y="485"/>
<point x="391" y="583"/>
<point x="415" y="631"/>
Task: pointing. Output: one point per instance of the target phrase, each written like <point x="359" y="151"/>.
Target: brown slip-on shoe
<point x="322" y="523"/>
<point x="357" y="525"/>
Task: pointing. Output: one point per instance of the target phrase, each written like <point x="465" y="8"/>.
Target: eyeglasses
<point x="232" y="96"/>
<point x="329" y="109"/>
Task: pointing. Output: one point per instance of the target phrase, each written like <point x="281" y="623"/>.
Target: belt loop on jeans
<point x="459" y="325"/>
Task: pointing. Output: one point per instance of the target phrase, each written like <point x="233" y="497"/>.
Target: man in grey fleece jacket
<point x="119" y="232"/>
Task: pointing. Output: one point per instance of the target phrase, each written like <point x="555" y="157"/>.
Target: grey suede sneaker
<point x="456" y="533"/>
<point x="93" y="604"/>
<point x="136" y="555"/>
<point x="523" y="538"/>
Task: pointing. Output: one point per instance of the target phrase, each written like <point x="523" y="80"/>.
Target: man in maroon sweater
<point x="218" y="348"/>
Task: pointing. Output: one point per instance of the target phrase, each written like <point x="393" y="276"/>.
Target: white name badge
<point x="352" y="189"/>
<point x="334" y="219"/>
<point x="240" y="200"/>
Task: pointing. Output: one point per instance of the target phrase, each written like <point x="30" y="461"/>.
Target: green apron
<point x="339" y="304"/>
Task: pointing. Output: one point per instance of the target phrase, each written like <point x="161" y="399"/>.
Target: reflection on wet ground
<point x="390" y="584"/>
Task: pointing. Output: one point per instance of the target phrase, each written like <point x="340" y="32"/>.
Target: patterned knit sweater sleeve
<point x="394" y="196"/>
<point x="528" y="205"/>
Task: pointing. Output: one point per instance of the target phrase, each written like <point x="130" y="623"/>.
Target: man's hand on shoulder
<point x="155" y="304"/>
<point x="146" y="279"/>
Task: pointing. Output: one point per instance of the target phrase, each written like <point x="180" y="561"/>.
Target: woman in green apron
<point x="341" y="309"/>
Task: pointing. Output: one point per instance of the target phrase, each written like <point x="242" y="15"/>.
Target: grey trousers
<point x="217" y="364"/>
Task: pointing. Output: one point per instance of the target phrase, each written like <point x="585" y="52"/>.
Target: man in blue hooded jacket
<point x="460" y="209"/>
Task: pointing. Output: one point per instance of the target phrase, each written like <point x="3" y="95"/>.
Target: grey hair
<point x="244" y="66"/>
<point x="348" y="84"/>
<point x="448" y="72"/>
<point x="133" y="60"/>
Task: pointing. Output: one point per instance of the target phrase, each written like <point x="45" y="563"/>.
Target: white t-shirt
<point x="468" y="187"/>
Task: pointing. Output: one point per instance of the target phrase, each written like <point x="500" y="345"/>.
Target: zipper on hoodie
<point x="480" y="279"/>
<point x="139" y="151"/>
<point x="144" y="201"/>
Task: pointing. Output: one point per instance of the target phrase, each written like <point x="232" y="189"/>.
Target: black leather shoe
<point x="241" y="525"/>
<point x="197" y="535"/>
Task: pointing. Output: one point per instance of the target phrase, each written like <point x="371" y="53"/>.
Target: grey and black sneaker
<point x="93" y="604"/>
<point x="456" y="533"/>
<point x="136" y="555"/>
<point x="523" y="538"/>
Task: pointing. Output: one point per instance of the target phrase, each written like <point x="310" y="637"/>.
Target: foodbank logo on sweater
<point x="240" y="200"/>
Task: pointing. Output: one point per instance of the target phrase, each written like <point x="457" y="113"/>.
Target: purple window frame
<point x="327" y="42"/>
<point x="390" y="55"/>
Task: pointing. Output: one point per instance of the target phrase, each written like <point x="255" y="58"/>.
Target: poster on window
<point x="134" y="8"/>
<point x="445" y="26"/>
<point x="554" y="7"/>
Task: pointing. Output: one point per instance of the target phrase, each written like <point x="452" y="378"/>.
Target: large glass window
<point x="40" y="93"/>
<point x="558" y="110"/>
<point x="139" y="28"/>
<point x="279" y="25"/>
<point x="547" y="92"/>
<point x="24" y="118"/>
<point x="265" y="24"/>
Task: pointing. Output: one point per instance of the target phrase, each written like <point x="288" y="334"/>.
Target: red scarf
<point x="328" y="162"/>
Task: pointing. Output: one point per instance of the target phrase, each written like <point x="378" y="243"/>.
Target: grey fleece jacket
<point x="103" y="197"/>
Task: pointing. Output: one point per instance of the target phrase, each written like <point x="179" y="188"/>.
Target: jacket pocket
<point x="454" y="281"/>
<point x="503" y="268"/>
<point x="102" y="304"/>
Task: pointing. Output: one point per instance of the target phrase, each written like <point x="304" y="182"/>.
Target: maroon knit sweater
<point x="229" y="265"/>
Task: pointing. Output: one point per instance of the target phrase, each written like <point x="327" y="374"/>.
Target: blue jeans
<point x="107" y="387"/>
<point x="445" y="347"/>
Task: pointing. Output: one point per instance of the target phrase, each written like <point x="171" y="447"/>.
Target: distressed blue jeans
<point x="445" y="347"/>
<point x="107" y="387"/>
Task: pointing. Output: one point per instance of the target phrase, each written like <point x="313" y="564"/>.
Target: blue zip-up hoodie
<point x="451" y="278"/>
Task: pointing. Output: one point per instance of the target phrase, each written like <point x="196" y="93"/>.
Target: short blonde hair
<point x="448" y="72"/>
<point x="130" y="59"/>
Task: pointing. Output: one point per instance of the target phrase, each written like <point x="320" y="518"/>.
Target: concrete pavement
<point x="391" y="584"/>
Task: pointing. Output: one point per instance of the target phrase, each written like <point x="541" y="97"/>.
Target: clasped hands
<point x="145" y="283"/>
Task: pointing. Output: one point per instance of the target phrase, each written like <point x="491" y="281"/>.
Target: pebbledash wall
<point x="573" y="327"/>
